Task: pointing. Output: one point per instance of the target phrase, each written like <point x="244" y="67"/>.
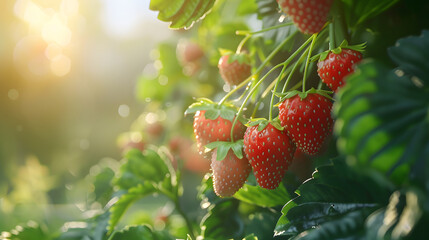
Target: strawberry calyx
<point x="241" y="58"/>
<point x="214" y="110"/>
<point x="223" y="148"/>
<point x="262" y="123"/>
<point x="344" y="45"/>
<point x="303" y="95"/>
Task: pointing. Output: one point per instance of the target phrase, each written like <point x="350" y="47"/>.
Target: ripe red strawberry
<point x="269" y="152"/>
<point x="213" y="122"/>
<point x="337" y="66"/>
<point x="234" y="68"/>
<point x="229" y="174"/>
<point x="212" y="130"/>
<point x="309" y="16"/>
<point x="307" y="119"/>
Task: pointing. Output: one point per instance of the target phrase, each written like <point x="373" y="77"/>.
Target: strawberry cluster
<point x="269" y="147"/>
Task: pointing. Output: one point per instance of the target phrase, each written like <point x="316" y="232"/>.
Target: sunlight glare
<point x="60" y="65"/>
<point x="53" y="50"/>
<point x="56" y="30"/>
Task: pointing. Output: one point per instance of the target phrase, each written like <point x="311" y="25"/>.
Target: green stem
<point x="285" y="63"/>
<point x="308" y="60"/>
<point x="340" y="26"/>
<point x="294" y="69"/>
<point x="260" y="68"/>
<point x="185" y="217"/>
<point x="265" y="29"/>
<point x="240" y="46"/>
<point x="270" y="116"/>
<point x="271" y="86"/>
<point x="248" y="96"/>
<point x="332" y="43"/>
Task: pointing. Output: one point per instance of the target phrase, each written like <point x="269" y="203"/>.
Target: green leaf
<point x="142" y="232"/>
<point x="103" y="188"/>
<point x="221" y="152"/>
<point x="400" y="218"/>
<point x="31" y="231"/>
<point x="92" y="228"/>
<point x="124" y="201"/>
<point x="382" y="113"/>
<point x="336" y="194"/>
<point x="263" y="197"/>
<point x="237" y="148"/>
<point x="269" y="13"/>
<point x="181" y="13"/>
<point x="140" y="167"/>
<point x="358" y="11"/>
<point x="222" y="221"/>
<point x="228" y="114"/>
<point x="206" y="193"/>
<point x="411" y="54"/>
<point x="247" y="7"/>
<point x="344" y="224"/>
<point x="251" y="237"/>
<point x="260" y="223"/>
<point x="143" y="174"/>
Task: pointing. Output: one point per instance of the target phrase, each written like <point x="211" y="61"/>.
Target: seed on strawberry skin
<point x="208" y="130"/>
<point x="307" y="121"/>
<point x="229" y="174"/>
<point x="309" y="16"/>
<point x="269" y="152"/>
<point x="336" y="67"/>
<point x="234" y="70"/>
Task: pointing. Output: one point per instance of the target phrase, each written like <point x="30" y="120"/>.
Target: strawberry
<point x="234" y="68"/>
<point x="336" y="67"/>
<point x="301" y="166"/>
<point x="269" y="151"/>
<point x="213" y="123"/>
<point x="307" y="119"/>
<point x="229" y="174"/>
<point x="190" y="55"/>
<point x="189" y="52"/>
<point x="309" y="16"/>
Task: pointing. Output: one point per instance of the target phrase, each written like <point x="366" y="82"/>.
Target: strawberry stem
<point x="270" y="116"/>
<point x="313" y="40"/>
<point x="339" y="21"/>
<point x="185" y="217"/>
<point x="332" y="43"/>
<point x="240" y="46"/>
<point x="260" y="68"/>
<point x="297" y="63"/>
<point x="265" y="29"/>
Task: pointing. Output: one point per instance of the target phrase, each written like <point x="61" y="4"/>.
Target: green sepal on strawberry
<point x="308" y="16"/>
<point x="213" y="122"/>
<point x="269" y="150"/>
<point x="306" y="116"/>
<point x="234" y="68"/>
<point x="229" y="174"/>
<point x="223" y="148"/>
<point x="335" y="65"/>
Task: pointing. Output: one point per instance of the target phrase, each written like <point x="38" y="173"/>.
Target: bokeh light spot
<point x="13" y="94"/>
<point x="124" y="110"/>
<point x="53" y="50"/>
<point x="56" y="30"/>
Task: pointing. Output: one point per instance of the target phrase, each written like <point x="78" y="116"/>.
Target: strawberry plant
<point x="307" y="136"/>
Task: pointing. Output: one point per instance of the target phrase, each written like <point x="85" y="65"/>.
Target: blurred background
<point x="68" y="71"/>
